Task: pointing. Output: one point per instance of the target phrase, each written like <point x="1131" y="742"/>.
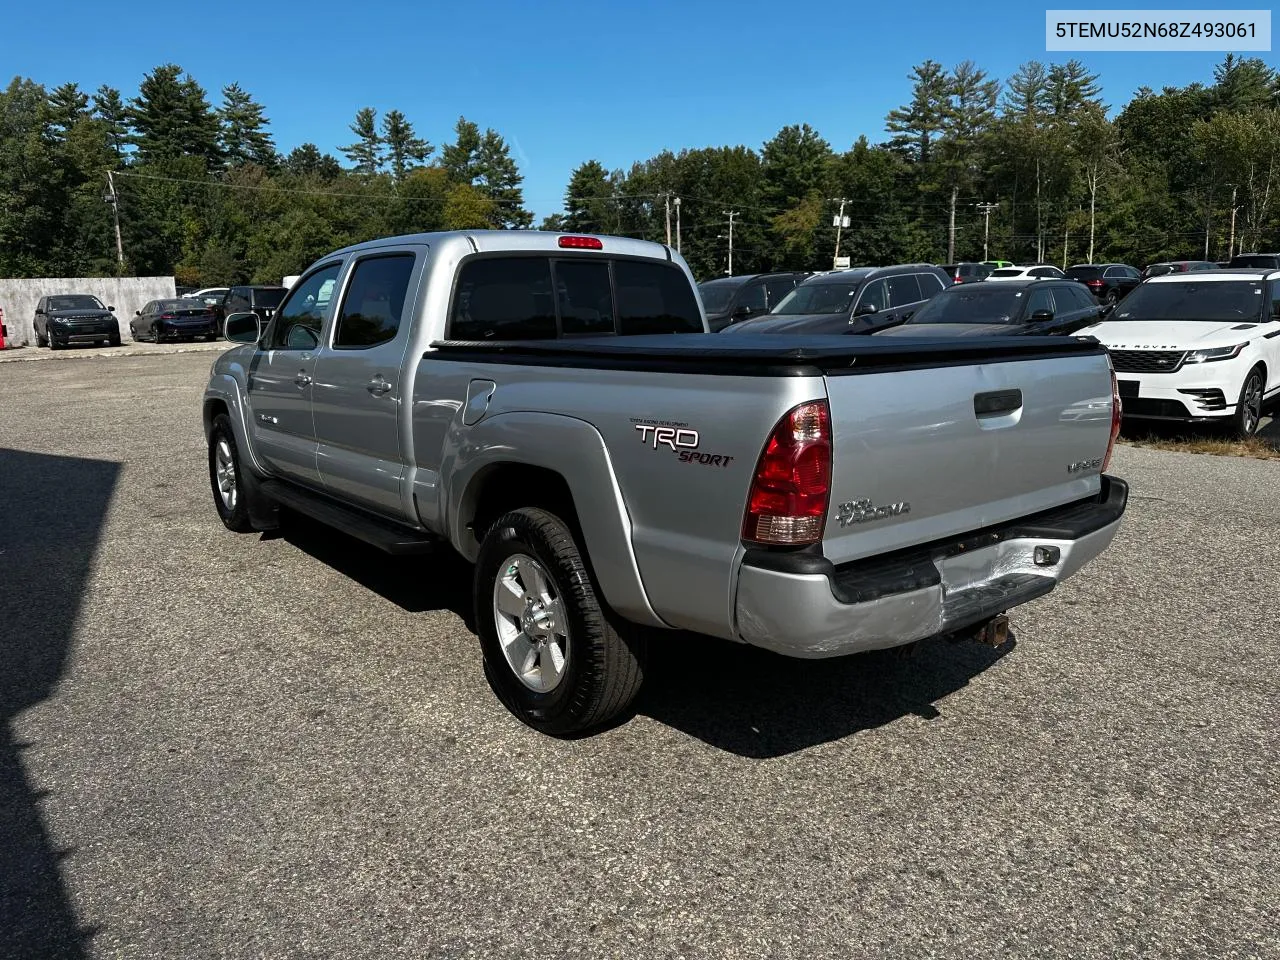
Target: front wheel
<point x="226" y="478"/>
<point x="41" y="341"/>
<point x="553" y="652"/>
<point x="1249" y="408"/>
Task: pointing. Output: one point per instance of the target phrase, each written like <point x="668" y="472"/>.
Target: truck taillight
<point x="581" y="243"/>
<point x="792" y="485"/>
<point x="1116" y="412"/>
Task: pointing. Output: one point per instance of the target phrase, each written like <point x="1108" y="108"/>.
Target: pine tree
<point x="1071" y="87"/>
<point x="171" y="118"/>
<point x="65" y="106"/>
<point x="916" y="125"/>
<point x="1028" y="95"/>
<point x="1244" y="85"/>
<point x="202" y="127"/>
<point x="404" y="149"/>
<point x="500" y="180"/>
<point x="242" y="136"/>
<point x="307" y="161"/>
<point x="366" y="152"/>
<point x="588" y="199"/>
<point x="459" y="158"/>
<point x="110" y="109"/>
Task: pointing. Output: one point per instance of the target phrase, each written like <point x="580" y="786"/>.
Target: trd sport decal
<point x="680" y="439"/>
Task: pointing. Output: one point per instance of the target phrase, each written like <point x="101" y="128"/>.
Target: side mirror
<point x="1042" y="316"/>
<point x="137" y="313"/>
<point x="743" y="311"/>
<point x="111" y="309"/>
<point x="865" y="309"/>
<point x="243" y="328"/>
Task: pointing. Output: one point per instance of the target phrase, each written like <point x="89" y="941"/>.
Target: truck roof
<point x="499" y="241"/>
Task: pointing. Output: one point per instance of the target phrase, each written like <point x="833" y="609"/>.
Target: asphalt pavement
<point x="215" y="745"/>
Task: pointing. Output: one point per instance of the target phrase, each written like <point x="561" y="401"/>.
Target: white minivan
<point x="1197" y="347"/>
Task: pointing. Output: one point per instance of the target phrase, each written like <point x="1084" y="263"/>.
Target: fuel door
<point x="479" y="393"/>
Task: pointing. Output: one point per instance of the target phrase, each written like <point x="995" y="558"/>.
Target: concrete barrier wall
<point x="18" y="299"/>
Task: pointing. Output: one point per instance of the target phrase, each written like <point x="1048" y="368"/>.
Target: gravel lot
<point x="242" y="747"/>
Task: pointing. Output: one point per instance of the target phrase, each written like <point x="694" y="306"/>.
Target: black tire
<point x="53" y="344"/>
<point x="40" y="340"/>
<point x="236" y="516"/>
<point x="604" y="658"/>
<point x="1112" y="298"/>
<point x="1244" y="423"/>
<point x="115" y="340"/>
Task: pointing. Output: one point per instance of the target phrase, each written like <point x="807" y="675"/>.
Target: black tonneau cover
<point x="780" y="355"/>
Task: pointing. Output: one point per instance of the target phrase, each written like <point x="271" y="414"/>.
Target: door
<point x="358" y="388"/>
<point x="280" y="379"/>
<point x="1040" y="300"/>
<point x="904" y="298"/>
<point x="751" y="302"/>
<point x="778" y="288"/>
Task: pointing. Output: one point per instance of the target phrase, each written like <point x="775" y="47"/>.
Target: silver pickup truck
<point x="524" y="398"/>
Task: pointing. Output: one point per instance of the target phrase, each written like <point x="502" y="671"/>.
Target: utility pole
<point x="730" y="214"/>
<point x="113" y="199"/>
<point x="666" y="197"/>
<point x="1231" y="246"/>
<point x="839" y="223"/>
<point x="677" y="224"/>
<point x="986" y="209"/>
<point x="951" y="230"/>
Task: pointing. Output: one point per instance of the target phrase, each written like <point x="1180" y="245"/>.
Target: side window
<point x="903" y="290"/>
<point x="1275" y="299"/>
<point x="374" y="302"/>
<point x="1041" y="299"/>
<point x="775" y="290"/>
<point x="503" y="298"/>
<point x="875" y="293"/>
<point x="753" y="297"/>
<point x="1132" y="274"/>
<point x="1084" y="299"/>
<point x="1114" y="273"/>
<point x="1042" y="272"/>
<point x="296" y="325"/>
<point x="654" y="297"/>
<point x="930" y="285"/>
<point x="584" y="297"/>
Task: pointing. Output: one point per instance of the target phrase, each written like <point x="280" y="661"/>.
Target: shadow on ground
<point x="52" y="510"/>
<point x="737" y="698"/>
<point x="1200" y="437"/>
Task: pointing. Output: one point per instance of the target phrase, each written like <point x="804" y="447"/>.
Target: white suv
<point x="1197" y="347"/>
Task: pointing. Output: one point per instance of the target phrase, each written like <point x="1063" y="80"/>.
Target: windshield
<point x="972" y="304"/>
<point x="269" y="299"/>
<point x="1228" y="301"/>
<point x="184" y="304"/>
<point x="79" y="302"/>
<point x="716" y="296"/>
<point x="818" y="298"/>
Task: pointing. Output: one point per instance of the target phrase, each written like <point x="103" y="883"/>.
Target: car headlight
<point x="1217" y="353"/>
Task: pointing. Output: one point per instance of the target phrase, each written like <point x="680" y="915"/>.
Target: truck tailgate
<point x="928" y="453"/>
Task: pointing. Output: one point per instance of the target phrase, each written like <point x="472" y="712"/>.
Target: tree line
<point x="1035" y="168"/>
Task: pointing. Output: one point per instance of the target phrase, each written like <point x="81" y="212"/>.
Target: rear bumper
<point x="803" y="606"/>
<point x="187" y="331"/>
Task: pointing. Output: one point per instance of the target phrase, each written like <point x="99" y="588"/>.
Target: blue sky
<point x="563" y="81"/>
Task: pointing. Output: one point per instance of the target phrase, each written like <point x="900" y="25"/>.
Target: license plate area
<point x="1128" y="388"/>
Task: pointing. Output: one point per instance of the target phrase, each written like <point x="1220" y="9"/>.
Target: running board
<point x="383" y="534"/>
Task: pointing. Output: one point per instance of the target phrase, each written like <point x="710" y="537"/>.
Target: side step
<point x="383" y="534"/>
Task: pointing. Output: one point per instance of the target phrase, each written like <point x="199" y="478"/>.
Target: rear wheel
<point x="554" y="653"/>
<point x="1112" y="298"/>
<point x="1249" y="408"/>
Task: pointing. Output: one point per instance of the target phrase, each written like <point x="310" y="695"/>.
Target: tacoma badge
<point x="862" y="511"/>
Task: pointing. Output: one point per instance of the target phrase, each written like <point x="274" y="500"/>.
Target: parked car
<point x="406" y="412"/>
<point x="1198" y="347"/>
<point x="861" y="300"/>
<point x="1265" y="261"/>
<point x="75" y="318"/>
<point x="259" y="300"/>
<point x="210" y="296"/>
<point x="730" y="299"/>
<point x="1109" y="282"/>
<point x="966" y="272"/>
<point x="1035" y="270"/>
<point x="1018" y="307"/>
<point x="181" y="319"/>
<point x="1176" y="266"/>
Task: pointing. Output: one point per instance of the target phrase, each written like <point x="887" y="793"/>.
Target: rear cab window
<point x="543" y="298"/>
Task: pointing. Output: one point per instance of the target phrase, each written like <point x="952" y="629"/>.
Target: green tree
<point x="32" y="193"/>
<point x="171" y="118"/>
<point x="1071" y="87"/>
<point x="110" y="109"/>
<point x="484" y="162"/>
<point x="243" y="136"/>
<point x="917" y="124"/>
<point x="589" y="201"/>
<point x="405" y="150"/>
<point x="66" y="106"/>
<point x="1244" y="85"/>
<point x="366" y="151"/>
<point x="460" y="158"/>
<point x="306" y="160"/>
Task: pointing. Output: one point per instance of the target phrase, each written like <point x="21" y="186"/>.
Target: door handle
<point x="378" y="385"/>
<point x="303" y="379"/>
<point x="997" y="402"/>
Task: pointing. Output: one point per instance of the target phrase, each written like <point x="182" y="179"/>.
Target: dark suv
<point x="1109" y="282"/>
<point x="1265" y="261"/>
<point x="862" y="300"/>
<point x="730" y="299"/>
<point x="1030" y="307"/>
<point x="967" y="272"/>
<point x="261" y="300"/>
<point x="75" y="318"/>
